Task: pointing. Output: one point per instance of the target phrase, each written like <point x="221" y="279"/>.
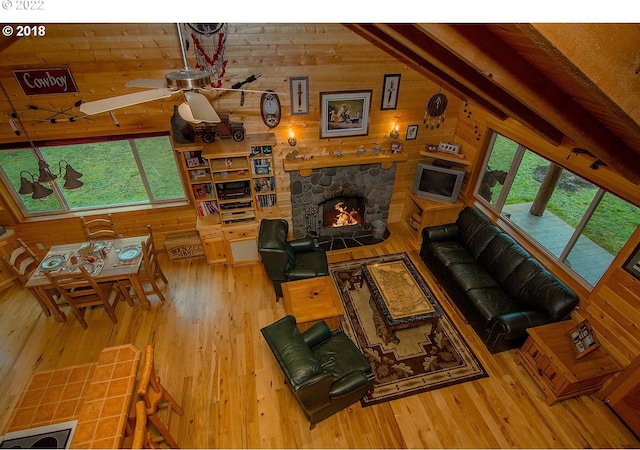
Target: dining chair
<point x="140" y="434"/>
<point x="156" y="398"/>
<point x="82" y="291"/>
<point x="150" y="272"/>
<point x="23" y="262"/>
<point x="99" y="227"/>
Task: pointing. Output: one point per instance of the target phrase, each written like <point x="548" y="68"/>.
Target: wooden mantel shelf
<point x="305" y="167"/>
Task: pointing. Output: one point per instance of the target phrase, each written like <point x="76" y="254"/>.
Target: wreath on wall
<point x="209" y="41"/>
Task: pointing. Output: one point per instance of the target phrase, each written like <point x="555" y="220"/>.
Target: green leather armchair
<point x="288" y="260"/>
<point x="324" y="369"/>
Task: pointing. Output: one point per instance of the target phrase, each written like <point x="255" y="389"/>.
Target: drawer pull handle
<point x="535" y="353"/>
<point x="552" y="375"/>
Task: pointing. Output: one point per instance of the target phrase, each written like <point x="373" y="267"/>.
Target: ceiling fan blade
<point x="201" y="108"/>
<point x="149" y="83"/>
<point x="109" y="104"/>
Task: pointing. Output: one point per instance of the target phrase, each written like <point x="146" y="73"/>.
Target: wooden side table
<point x="312" y="300"/>
<point x="550" y="358"/>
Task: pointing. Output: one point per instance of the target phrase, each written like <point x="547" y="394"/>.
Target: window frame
<point x="65" y="208"/>
<point x="520" y="234"/>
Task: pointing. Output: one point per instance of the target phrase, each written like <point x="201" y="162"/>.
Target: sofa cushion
<point x="475" y="231"/>
<point x="545" y="292"/>
<point x="340" y="356"/>
<point x="491" y="303"/>
<point x="450" y="252"/>
<point x="502" y="256"/>
<point x="470" y="276"/>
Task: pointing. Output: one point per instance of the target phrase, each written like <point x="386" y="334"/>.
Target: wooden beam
<point x="487" y="53"/>
<point x="422" y="65"/>
<point x="417" y="46"/>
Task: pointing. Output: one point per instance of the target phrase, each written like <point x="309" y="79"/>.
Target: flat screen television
<point x="439" y="183"/>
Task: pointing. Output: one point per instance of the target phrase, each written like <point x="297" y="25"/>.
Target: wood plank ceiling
<point x="517" y="70"/>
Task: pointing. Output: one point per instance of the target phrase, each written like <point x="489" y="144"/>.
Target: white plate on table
<point x="130" y="252"/>
<point x="52" y="262"/>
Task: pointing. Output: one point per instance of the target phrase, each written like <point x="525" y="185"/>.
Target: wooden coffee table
<point x="402" y="296"/>
<point x="312" y="300"/>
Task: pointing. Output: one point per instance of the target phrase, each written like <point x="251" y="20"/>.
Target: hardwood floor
<point x="212" y="358"/>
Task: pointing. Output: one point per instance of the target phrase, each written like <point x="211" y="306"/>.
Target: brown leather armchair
<point x="324" y="369"/>
<point x="288" y="260"/>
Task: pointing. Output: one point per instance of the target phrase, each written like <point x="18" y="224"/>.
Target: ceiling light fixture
<point x="35" y="186"/>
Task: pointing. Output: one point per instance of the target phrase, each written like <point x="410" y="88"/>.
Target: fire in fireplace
<point x="342" y="211"/>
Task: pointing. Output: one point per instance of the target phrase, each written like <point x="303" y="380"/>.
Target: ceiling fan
<point x="188" y="81"/>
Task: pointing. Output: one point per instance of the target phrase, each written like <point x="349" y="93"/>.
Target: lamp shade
<point x="26" y="186"/>
<point x="40" y="192"/>
<point x="72" y="183"/>
<point x="45" y="173"/>
<point x="70" y="172"/>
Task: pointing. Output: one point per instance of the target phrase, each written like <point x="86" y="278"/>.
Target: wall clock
<point x="270" y="109"/>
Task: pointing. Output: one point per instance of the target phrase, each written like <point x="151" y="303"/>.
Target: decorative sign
<point x="46" y="81"/>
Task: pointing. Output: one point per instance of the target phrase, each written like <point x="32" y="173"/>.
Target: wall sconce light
<point x="394" y="132"/>
<point x="36" y="188"/>
<point x="292" y="138"/>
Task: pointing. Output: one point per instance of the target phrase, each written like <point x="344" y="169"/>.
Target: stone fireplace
<point x="364" y="191"/>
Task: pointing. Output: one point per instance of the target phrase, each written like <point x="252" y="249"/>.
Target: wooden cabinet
<point x="550" y="358"/>
<point x="6" y="276"/>
<point x="232" y="185"/>
<point x="419" y="213"/>
<point x="623" y="395"/>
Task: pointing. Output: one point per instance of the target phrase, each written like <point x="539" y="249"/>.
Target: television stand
<point x="420" y="212"/>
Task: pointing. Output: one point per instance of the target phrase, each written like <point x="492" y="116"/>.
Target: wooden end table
<point x="312" y="300"/>
<point x="550" y="358"/>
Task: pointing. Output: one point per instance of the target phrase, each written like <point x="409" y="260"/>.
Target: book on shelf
<point x="207" y="208"/>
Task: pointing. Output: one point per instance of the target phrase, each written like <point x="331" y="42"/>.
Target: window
<point x="127" y="171"/>
<point x="578" y="223"/>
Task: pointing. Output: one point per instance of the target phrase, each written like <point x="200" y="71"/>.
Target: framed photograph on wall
<point x="390" y="90"/>
<point x="299" y="87"/>
<point x="633" y="263"/>
<point x="412" y="132"/>
<point x="584" y="341"/>
<point x="344" y="113"/>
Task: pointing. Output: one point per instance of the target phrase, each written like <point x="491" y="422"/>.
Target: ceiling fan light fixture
<point x="185" y="112"/>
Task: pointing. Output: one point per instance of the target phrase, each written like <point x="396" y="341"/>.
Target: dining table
<point x="116" y="260"/>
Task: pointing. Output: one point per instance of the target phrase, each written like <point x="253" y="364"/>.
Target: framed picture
<point x="390" y="90"/>
<point x="584" y="341"/>
<point x="299" y="87"/>
<point x="396" y="147"/>
<point x="412" y="132"/>
<point x="198" y="191"/>
<point x="344" y="113"/>
<point x="633" y="263"/>
<point x="193" y="162"/>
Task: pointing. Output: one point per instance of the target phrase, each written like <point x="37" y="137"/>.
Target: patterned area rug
<point x="406" y="361"/>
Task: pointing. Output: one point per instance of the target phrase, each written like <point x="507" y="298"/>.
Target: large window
<point x="128" y="171"/>
<point x="581" y="225"/>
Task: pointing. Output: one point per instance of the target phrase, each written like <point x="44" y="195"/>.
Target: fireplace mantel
<point x="305" y="167"/>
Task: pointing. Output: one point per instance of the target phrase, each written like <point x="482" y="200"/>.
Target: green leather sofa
<point x="284" y="260"/>
<point x="324" y="369"/>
